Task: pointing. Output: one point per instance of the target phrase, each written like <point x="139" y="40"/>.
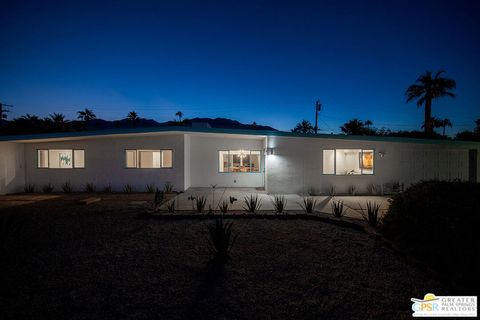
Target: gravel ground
<point x="71" y="261"/>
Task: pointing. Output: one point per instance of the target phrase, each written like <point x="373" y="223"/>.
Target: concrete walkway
<point x="352" y="204"/>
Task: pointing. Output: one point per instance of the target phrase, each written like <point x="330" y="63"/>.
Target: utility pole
<point x="318" y="107"/>
<point x="3" y="112"/>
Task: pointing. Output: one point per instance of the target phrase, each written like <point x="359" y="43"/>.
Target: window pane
<point x="367" y="161"/>
<point x="328" y="161"/>
<point x="149" y="159"/>
<point x="255" y="160"/>
<point x="167" y="159"/>
<point x="223" y="161"/>
<point x="131" y="158"/>
<point x="42" y="156"/>
<point x="79" y="158"/>
<point x="348" y="161"/>
<point x="60" y="159"/>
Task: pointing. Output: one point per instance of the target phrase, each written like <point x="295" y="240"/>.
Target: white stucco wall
<point x="204" y="161"/>
<point x="12" y="167"/>
<point x="297" y="164"/>
<point x="105" y="163"/>
<point x="187" y="173"/>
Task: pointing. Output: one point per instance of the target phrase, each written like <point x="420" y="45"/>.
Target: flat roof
<point x="179" y="129"/>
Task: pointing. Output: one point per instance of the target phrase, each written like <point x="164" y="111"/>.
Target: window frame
<point x="73" y="159"/>
<point x="250" y="153"/>
<point x="361" y="159"/>
<point x="137" y="158"/>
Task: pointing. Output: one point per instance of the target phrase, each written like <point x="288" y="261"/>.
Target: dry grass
<point x="97" y="261"/>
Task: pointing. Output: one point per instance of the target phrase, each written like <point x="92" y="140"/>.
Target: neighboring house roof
<point x="79" y="134"/>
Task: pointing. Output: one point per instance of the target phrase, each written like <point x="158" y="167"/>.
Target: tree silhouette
<point x="427" y="88"/>
<point x="304" y="127"/>
<point x="132" y="116"/>
<point x="58" y="120"/>
<point x="358" y="127"/>
<point x="86" y="116"/>
<point x="179" y="114"/>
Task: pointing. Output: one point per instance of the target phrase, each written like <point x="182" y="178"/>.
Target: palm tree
<point x="304" y="127"/>
<point x="179" y="114"/>
<point x="132" y="117"/>
<point x="444" y="123"/>
<point x="358" y="127"/>
<point x="426" y="89"/>
<point x="58" y="120"/>
<point x="86" y="115"/>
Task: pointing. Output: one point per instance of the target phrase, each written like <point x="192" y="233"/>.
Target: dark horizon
<point x="266" y="63"/>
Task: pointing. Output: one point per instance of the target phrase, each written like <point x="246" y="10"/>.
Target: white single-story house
<point x="278" y="162"/>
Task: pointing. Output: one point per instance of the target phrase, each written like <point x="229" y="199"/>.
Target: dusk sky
<point x="250" y="61"/>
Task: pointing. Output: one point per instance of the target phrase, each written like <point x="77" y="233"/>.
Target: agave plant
<point x="67" y="187"/>
<point x="150" y="188"/>
<point x="337" y="209"/>
<point x="168" y="188"/>
<point x="223" y="206"/>
<point x="171" y="206"/>
<point x="372" y="216"/>
<point x="107" y="188"/>
<point x="279" y="203"/>
<point x="221" y="239"/>
<point x="29" y="188"/>
<point x="352" y="190"/>
<point x="127" y="188"/>
<point x="158" y="199"/>
<point x="200" y="203"/>
<point x="89" y="188"/>
<point x="48" y="188"/>
<point x="309" y="204"/>
<point x="252" y="203"/>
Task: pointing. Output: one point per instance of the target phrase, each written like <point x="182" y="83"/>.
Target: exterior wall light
<point x="382" y="154"/>
<point x="269" y="151"/>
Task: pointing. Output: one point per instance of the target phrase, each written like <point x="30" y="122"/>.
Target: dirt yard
<point x="66" y="260"/>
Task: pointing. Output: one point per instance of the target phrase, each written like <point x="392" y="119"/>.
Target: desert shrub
<point x="252" y="203"/>
<point x="150" y="188"/>
<point x="127" y="188"/>
<point x="200" y="203"/>
<point x="337" y="209"/>
<point x="168" y="188"/>
<point x="171" y="206"/>
<point x="223" y="206"/>
<point x="107" y="188"/>
<point x="67" y="187"/>
<point x="89" y="187"/>
<point x="437" y="222"/>
<point x="308" y="204"/>
<point x="29" y="188"/>
<point x="221" y="239"/>
<point x="372" y="216"/>
<point x="279" y="203"/>
<point x="48" y="188"/>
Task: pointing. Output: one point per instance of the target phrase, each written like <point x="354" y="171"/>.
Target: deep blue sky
<point x="252" y="61"/>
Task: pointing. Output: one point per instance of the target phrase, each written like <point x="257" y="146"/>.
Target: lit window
<point x="348" y="161"/>
<point x="42" y="158"/>
<point x="239" y="161"/>
<point x="149" y="159"/>
<point x="131" y="156"/>
<point x="61" y="158"/>
<point x="328" y="161"/>
<point x="167" y="158"/>
<point x="79" y="158"/>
